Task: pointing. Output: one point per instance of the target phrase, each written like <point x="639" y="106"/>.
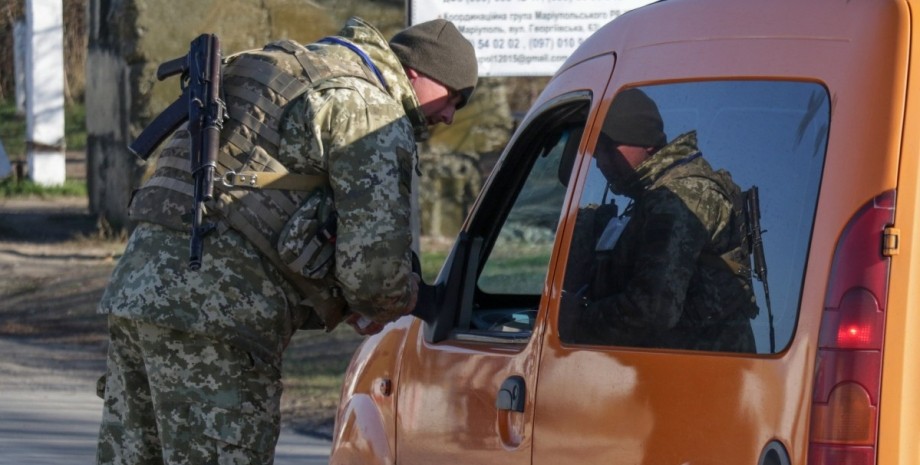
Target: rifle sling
<point x="258" y="179"/>
<point x="269" y="180"/>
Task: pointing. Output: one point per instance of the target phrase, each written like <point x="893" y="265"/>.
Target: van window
<point x="621" y="289"/>
<point x="520" y="256"/>
<point x="517" y="221"/>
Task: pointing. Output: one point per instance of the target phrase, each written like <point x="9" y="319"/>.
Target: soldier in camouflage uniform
<point x="678" y="276"/>
<point x="194" y="368"/>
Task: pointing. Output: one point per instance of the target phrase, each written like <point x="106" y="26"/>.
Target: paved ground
<point x="51" y="346"/>
<point x="51" y="415"/>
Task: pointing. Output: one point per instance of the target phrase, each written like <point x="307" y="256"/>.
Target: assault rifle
<point x="200" y="104"/>
<point x="755" y="242"/>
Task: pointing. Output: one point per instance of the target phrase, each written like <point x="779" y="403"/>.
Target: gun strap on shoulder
<point x="269" y="180"/>
<point x="256" y="179"/>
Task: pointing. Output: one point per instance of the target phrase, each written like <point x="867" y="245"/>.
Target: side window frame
<point x="457" y="294"/>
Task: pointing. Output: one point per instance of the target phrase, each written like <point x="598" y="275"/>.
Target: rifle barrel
<point x="206" y="115"/>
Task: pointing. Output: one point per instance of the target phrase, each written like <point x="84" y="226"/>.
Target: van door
<point x="467" y="378"/>
<point x="674" y="396"/>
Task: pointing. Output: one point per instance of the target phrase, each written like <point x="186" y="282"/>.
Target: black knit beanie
<point x="438" y="50"/>
<point x="634" y="119"/>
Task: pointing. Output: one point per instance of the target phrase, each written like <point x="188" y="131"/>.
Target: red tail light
<point x="844" y="412"/>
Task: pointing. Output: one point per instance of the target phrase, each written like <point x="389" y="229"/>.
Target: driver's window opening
<point x="517" y="257"/>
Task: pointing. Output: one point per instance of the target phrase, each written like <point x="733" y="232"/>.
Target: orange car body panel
<point x="607" y="406"/>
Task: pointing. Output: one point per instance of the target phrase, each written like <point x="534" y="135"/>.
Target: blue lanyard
<point x="682" y="161"/>
<point x="367" y="60"/>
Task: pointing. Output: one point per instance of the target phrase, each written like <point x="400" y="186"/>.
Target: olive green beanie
<point x="633" y="119"/>
<point x="438" y="50"/>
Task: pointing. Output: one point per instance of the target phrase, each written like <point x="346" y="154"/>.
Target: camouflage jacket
<point x="363" y="139"/>
<point x="652" y="288"/>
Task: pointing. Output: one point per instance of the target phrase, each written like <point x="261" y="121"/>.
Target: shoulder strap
<point x="314" y="69"/>
<point x="270" y="180"/>
<point x="364" y="57"/>
<point x="288" y="86"/>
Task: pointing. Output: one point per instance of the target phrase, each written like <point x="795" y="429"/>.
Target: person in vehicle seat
<point x="671" y="271"/>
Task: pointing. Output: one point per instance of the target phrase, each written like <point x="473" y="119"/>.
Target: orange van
<point x="811" y="102"/>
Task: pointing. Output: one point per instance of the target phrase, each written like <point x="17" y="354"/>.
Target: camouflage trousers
<point x="178" y="398"/>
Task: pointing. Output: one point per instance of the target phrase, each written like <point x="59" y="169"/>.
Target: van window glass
<point x="660" y="255"/>
<point x="517" y="221"/>
<point x="520" y="256"/>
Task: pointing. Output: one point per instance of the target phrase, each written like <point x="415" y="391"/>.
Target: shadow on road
<point x="46" y="220"/>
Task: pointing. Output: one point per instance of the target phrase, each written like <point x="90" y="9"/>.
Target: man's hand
<point x="363" y="325"/>
<point x="366" y="327"/>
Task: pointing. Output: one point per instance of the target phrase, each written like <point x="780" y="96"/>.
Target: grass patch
<point x="313" y="370"/>
<point x="431" y="264"/>
<point x="20" y="286"/>
<point x="514" y="275"/>
<point x="10" y="187"/>
<point x="13" y="128"/>
<point x="75" y="126"/>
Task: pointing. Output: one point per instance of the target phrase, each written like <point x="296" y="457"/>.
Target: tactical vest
<point x="254" y="193"/>
<point x="737" y="259"/>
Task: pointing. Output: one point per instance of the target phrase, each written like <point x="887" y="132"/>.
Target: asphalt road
<point x="52" y="417"/>
<point x="49" y="413"/>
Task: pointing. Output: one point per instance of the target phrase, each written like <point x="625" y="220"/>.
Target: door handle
<point x="512" y="394"/>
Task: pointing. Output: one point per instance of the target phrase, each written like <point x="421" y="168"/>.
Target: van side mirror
<point x="438" y="305"/>
<point x="427" y="301"/>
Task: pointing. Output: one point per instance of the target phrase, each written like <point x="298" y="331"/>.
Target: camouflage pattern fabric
<point x="234" y="296"/>
<point x="359" y="136"/>
<point x="651" y="290"/>
<point x="370" y="168"/>
<point x="364" y="139"/>
<point x="365" y="142"/>
<point x="199" y="401"/>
